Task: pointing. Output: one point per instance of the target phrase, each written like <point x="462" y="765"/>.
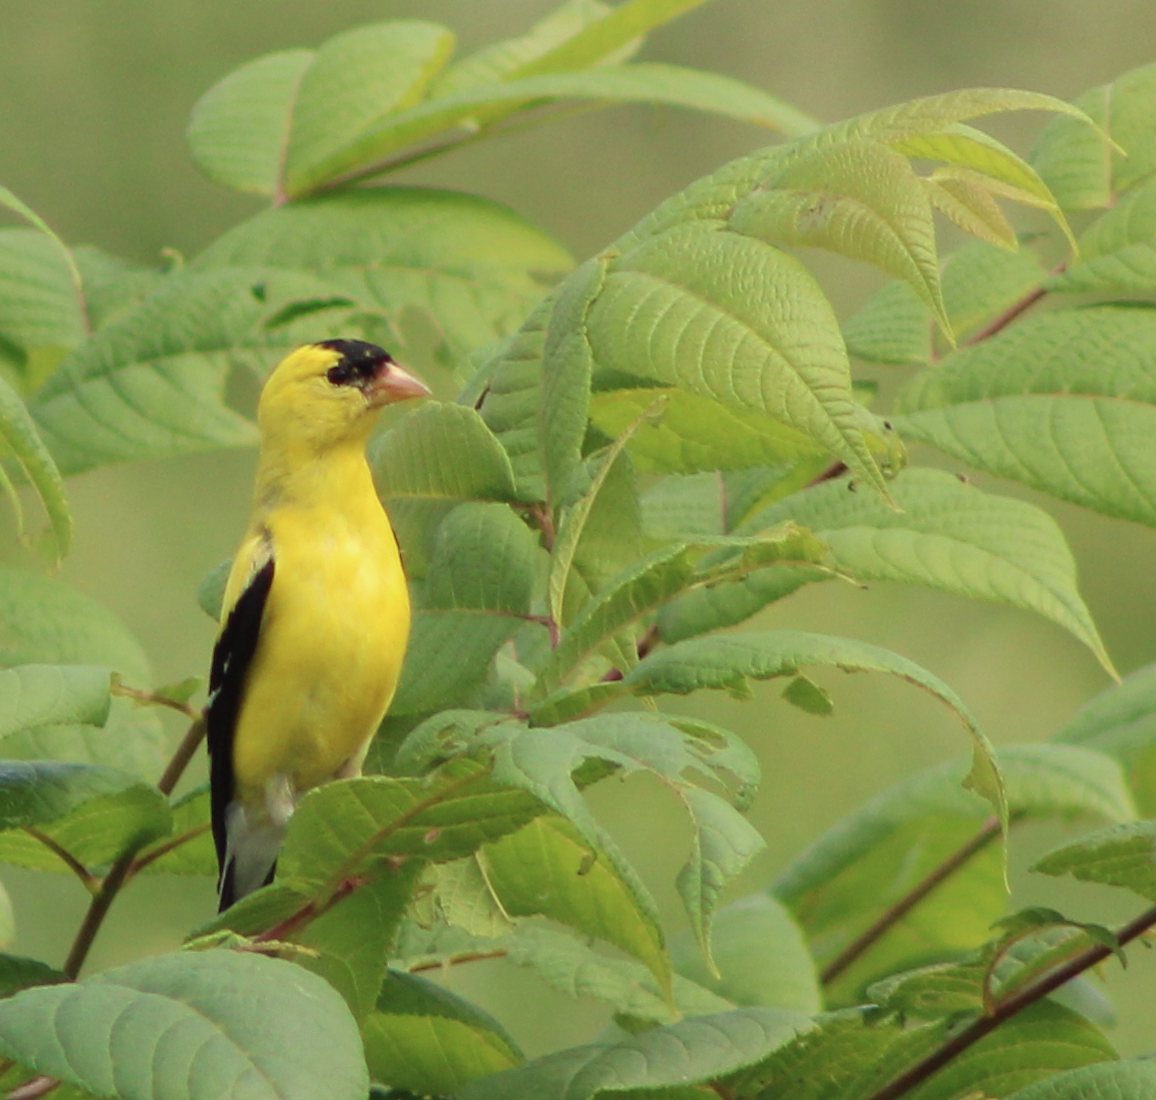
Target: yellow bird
<point x="316" y="611"/>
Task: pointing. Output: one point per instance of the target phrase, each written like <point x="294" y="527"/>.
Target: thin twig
<point x="151" y="698"/>
<point x="97" y="911"/>
<point x="169" y="846"/>
<point x="895" y="913"/>
<point x="1014" y="310"/>
<point x="34" y="1089"/>
<point x="468" y="957"/>
<point x="184" y="753"/>
<point x="90" y="881"/>
<point x="985" y="1025"/>
<point x="120" y="872"/>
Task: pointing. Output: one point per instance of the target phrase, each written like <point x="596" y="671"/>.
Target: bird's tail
<point x="250" y="855"/>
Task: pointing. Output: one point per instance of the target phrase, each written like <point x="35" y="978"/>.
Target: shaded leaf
<point x="17" y="973"/>
<point x="36" y="695"/>
<point x="1128" y="1080"/>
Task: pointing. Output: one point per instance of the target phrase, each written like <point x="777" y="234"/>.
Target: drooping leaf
<point x="209" y="1024"/>
<point x="240" y="127"/>
<point x="1121" y="722"/>
<point x="949" y="536"/>
<point x="472" y="267"/>
<point x="760" y="954"/>
<point x="426" y="1039"/>
<point x="1120" y="855"/>
<point x="543" y="762"/>
<point x="548" y="867"/>
<point x="687" y="1053"/>
<point x="1062" y="402"/>
<point x="729" y="661"/>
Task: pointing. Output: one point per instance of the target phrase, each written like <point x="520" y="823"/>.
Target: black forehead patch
<point x="360" y="361"/>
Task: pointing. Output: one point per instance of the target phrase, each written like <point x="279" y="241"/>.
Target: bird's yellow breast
<point x="332" y="642"/>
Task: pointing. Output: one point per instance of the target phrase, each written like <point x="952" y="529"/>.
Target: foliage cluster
<point x="631" y="455"/>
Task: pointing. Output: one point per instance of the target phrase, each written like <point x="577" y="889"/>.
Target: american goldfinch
<point x="316" y="610"/>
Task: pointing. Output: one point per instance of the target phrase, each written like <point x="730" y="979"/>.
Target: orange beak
<point x="392" y="384"/>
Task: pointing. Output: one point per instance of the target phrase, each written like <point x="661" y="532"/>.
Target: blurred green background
<point x="94" y="97"/>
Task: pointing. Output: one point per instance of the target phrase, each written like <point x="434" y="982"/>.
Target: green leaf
<point x="979" y="283"/>
<point x="481" y="578"/>
<point x="548" y="867"/>
<point x="1118" y="252"/>
<point x="209" y="1024"/>
<point x="1081" y="168"/>
<point x="949" y="536"/>
<point x="1127" y="1080"/>
<point x="906" y="833"/>
<point x="691" y="1052"/>
<point x="197" y="855"/>
<point x="661" y="576"/>
<point x="39" y="304"/>
<point x="240" y="127"/>
<point x="858" y="198"/>
<point x="845" y="1055"/>
<point x="1120" y="855"/>
<point x="734" y="319"/>
<point x="113" y="285"/>
<point x="357" y="78"/>
<point x="567" y="363"/>
<point x="352" y="940"/>
<point x="428" y="1040"/>
<point x="1043" y="1040"/>
<point x="441" y="452"/>
<point x="152" y="382"/>
<point x="696" y="433"/>
<point x="728" y="662"/>
<point x="472" y="267"/>
<point x="578" y="970"/>
<point x="1121" y="722"/>
<point x="1062" y="402"/>
<point x="501" y="59"/>
<point x="36" y="695"/>
<point x="17" y="973"/>
<point x="347" y="826"/>
<point x="543" y="762"/>
<point x="48" y="623"/>
<point x="760" y="955"/>
<point x="94" y="813"/>
<point x="10" y="202"/>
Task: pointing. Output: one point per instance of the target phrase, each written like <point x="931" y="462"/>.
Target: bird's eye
<point x="340" y="375"/>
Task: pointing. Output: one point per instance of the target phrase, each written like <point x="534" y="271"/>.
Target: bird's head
<point x="327" y="394"/>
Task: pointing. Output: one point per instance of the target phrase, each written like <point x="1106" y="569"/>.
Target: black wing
<point x="232" y="657"/>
